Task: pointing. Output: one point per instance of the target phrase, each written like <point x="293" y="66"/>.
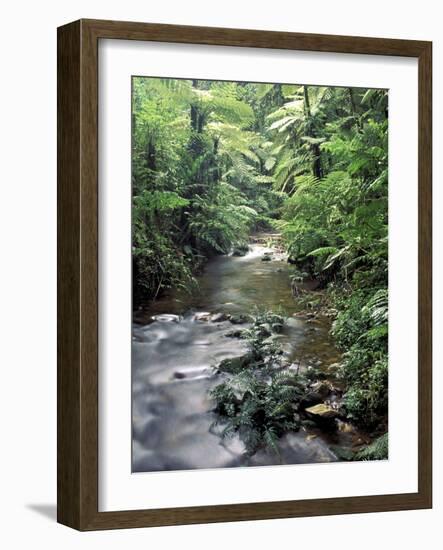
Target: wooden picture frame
<point x="78" y="274"/>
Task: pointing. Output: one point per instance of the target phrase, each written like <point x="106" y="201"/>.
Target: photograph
<point x="244" y="273"/>
<point x="222" y="219"/>
<point x="259" y="274"/>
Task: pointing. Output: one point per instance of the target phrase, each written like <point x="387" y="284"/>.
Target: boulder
<point x="219" y="317"/>
<point x="235" y="364"/>
<point x="321" y="388"/>
<point x="277" y="327"/>
<point x="239" y="319"/>
<point x="267" y="257"/>
<point x="240" y="250"/>
<point x="308" y="424"/>
<point x="202" y="316"/>
<point x="322" y="411"/>
<point x="311" y="399"/>
<point x="166" y="318"/>
<point x="238" y="333"/>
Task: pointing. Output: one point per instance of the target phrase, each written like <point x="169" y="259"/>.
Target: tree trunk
<point x="317" y="170"/>
<point x="151" y="160"/>
<point x="306" y="103"/>
<point x="354" y="108"/>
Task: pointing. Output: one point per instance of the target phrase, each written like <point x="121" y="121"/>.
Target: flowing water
<point x="175" y="351"/>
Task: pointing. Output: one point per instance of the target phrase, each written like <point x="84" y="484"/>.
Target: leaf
<point x="377" y="450"/>
<point x="270" y="163"/>
<point x="324" y="251"/>
<point x="335" y="257"/>
<point x="312" y="140"/>
<point x="281" y="122"/>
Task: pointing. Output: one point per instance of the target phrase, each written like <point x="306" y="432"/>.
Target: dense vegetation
<point x="215" y="161"/>
<point x="259" y="399"/>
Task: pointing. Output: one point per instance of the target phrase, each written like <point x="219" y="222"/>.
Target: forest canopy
<point x="213" y="162"/>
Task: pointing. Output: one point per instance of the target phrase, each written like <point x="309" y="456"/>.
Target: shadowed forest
<point x="260" y="220"/>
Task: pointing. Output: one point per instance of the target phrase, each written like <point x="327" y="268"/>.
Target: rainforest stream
<point x="175" y="352"/>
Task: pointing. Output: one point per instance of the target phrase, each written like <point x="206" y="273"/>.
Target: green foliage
<point x="332" y="162"/>
<point x="222" y="222"/>
<point x="195" y="166"/>
<point x="260" y="412"/>
<point x="199" y="179"/>
<point x="361" y="328"/>
<point x="214" y="161"/>
<point x="335" y="217"/>
<point x="377" y="450"/>
<point x="258" y="398"/>
<point x="158" y="262"/>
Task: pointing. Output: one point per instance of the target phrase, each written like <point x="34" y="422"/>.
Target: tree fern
<point x="377" y="450"/>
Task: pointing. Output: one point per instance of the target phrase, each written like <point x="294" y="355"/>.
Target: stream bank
<point x="179" y="343"/>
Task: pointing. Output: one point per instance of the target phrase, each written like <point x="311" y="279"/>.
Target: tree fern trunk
<point x="317" y="170"/>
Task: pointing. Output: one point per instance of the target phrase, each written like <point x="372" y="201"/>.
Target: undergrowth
<point x="258" y="400"/>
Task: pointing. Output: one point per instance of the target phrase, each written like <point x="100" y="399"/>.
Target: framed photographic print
<point x="244" y="275"/>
